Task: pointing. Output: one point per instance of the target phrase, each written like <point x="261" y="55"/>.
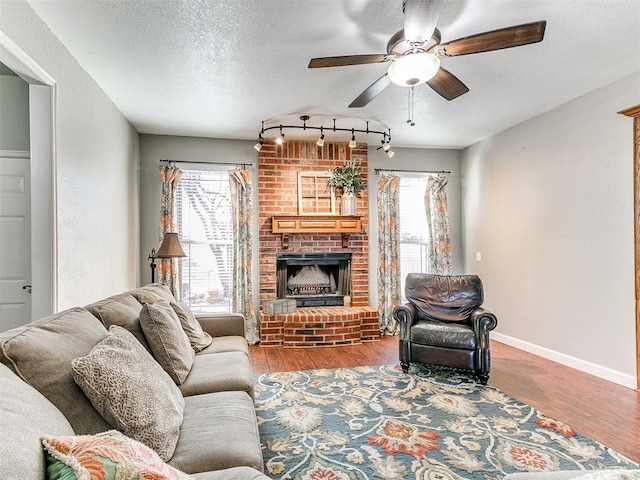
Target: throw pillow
<point x="199" y="338"/>
<point x="168" y="342"/>
<point x="108" y="456"/>
<point x="131" y="391"/>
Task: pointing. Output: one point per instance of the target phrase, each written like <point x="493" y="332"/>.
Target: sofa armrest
<point x="222" y="324"/>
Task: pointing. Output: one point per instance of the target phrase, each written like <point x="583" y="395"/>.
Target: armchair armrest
<point x="404" y="315"/>
<point x="222" y="324"/>
<point x="483" y="321"/>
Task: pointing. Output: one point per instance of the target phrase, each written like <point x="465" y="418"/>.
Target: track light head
<point x="320" y="141"/>
<point x="390" y="153"/>
<point x="259" y="143"/>
<point x="352" y="142"/>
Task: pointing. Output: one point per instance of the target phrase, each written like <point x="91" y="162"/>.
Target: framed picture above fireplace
<point x="314" y="197"/>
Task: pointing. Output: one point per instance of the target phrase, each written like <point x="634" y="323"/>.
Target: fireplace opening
<point x="314" y="279"/>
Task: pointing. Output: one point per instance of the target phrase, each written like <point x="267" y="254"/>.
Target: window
<point x="204" y="222"/>
<point x="414" y="236"/>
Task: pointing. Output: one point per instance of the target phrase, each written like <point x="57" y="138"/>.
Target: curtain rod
<point x="378" y="170"/>
<point x="243" y="165"/>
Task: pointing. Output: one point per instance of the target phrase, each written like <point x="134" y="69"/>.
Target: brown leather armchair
<point x="443" y="323"/>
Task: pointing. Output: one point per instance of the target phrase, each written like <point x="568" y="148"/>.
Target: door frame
<point x="42" y="131"/>
<point x="634" y="112"/>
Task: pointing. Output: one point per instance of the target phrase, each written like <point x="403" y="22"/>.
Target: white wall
<point x="418" y="159"/>
<point x="549" y="204"/>
<point x="96" y="179"/>
<point x="14" y="120"/>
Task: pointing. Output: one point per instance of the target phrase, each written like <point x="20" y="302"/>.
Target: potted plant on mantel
<point x="348" y="178"/>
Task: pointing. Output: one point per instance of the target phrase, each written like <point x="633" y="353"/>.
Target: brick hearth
<point x="278" y="168"/>
<point x="321" y="326"/>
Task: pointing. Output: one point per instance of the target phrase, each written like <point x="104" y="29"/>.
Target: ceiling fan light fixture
<point x="414" y="69"/>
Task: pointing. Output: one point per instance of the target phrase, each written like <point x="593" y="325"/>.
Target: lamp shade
<point x="170" y="247"/>
<point x="413" y="69"/>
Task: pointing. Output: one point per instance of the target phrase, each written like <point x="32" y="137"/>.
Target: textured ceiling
<point x="219" y="68"/>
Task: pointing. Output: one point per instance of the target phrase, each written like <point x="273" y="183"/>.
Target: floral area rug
<point x="377" y="422"/>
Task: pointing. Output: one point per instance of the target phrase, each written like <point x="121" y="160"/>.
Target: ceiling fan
<point x="415" y="52"/>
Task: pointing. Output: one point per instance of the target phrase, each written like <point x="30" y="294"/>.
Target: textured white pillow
<point x="168" y="341"/>
<point x="199" y="338"/>
<point x="131" y="391"/>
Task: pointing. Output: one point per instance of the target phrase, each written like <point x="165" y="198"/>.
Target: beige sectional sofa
<point x="93" y="369"/>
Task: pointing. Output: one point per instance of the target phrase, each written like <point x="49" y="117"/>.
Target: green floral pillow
<point x="104" y="456"/>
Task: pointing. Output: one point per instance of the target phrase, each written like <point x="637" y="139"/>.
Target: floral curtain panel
<point x="388" y="251"/>
<point x="242" y="213"/>
<point x="437" y="210"/>
<point x="167" y="273"/>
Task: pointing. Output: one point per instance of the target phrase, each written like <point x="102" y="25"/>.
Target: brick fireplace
<point x="278" y="168"/>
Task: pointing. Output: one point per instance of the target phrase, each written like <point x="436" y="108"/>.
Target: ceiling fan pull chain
<point x="410" y="119"/>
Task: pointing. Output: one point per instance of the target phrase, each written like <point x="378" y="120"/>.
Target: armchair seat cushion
<point x="445" y="335"/>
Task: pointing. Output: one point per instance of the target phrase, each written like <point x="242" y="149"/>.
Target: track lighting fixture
<point x="352" y="142"/>
<point x="386" y="135"/>
<point x="390" y="153"/>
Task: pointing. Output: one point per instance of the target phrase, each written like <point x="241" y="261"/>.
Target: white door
<point x="15" y="240"/>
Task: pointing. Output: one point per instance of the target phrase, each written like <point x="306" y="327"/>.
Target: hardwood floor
<point x="602" y="410"/>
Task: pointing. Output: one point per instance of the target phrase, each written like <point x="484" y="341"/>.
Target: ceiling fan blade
<point x="496" y="39"/>
<point x="447" y="85"/>
<point x="349" y="60"/>
<point x="420" y="17"/>
<point x="371" y="92"/>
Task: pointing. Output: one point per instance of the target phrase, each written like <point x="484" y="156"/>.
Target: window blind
<point x="204" y="222"/>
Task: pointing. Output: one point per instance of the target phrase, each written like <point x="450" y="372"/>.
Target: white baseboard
<point x="605" y="373"/>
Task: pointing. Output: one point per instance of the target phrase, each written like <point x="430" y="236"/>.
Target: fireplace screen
<point x="314" y="279"/>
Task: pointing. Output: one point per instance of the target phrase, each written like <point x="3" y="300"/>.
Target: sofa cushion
<point x="447" y="298"/>
<point x="219" y="430"/>
<point x="26" y="415"/>
<point x="219" y="372"/>
<point x="231" y="343"/>
<point x="168" y="341"/>
<point x="123" y="310"/>
<point x="603" y="474"/>
<point x="106" y="455"/>
<point x="235" y="473"/>
<point x="152" y="293"/>
<point x="198" y="338"/>
<point x="131" y="391"/>
<point x="41" y="353"/>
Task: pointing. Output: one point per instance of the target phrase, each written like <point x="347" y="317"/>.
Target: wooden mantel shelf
<point x="344" y="224"/>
